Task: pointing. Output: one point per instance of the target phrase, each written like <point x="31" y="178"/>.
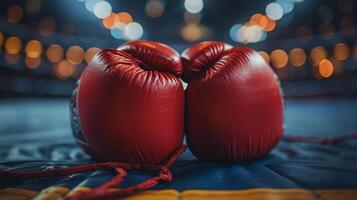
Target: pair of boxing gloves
<point x="129" y="104"/>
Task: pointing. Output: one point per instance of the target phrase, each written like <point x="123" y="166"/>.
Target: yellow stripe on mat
<point x="54" y="193"/>
<point x="156" y="194"/>
<point x="338" y="194"/>
<point x="251" y="194"/>
<point x="150" y="194"/>
<point x="16" y="194"/>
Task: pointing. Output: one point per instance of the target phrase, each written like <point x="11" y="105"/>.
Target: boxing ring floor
<point x="35" y="133"/>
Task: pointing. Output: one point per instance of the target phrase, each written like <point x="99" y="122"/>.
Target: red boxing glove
<point x="129" y="103"/>
<point x="234" y="103"/>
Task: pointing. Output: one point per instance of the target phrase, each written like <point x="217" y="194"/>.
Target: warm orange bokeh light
<point x="191" y="32"/>
<point x="90" y="53"/>
<point x="111" y="21"/>
<point x="14" y="14"/>
<point x="317" y="54"/>
<point x="325" y="68"/>
<point x="33" y="49"/>
<point x="64" y="70"/>
<point x="341" y="51"/>
<point x="54" y="53"/>
<point x="271" y="24"/>
<point x="260" y="20"/>
<point x="32" y="63"/>
<point x="297" y="57"/>
<point x="13" y="45"/>
<point x="278" y="58"/>
<point x="125" y="17"/>
<point x="265" y="56"/>
<point x="75" y="54"/>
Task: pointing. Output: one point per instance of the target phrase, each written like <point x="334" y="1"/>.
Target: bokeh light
<point x="125" y="17"/>
<point x="263" y="36"/>
<point x="118" y="31"/>
<point x="260" y="20"/>
<point x="32" y="63"/>
<point x="287" y="5"/>
<point x="325" y="68"/>
<point x="111" y="21"/>
<point x="13" y="45"/>
<point x="14" y="14"/>
<point x="233" y="32"/>
<point x="154" y="8"/>
<point x="278" y="58"/>
<point x="193" y="6"/>
<point x="274" y="11"/>
<point x="54" y="53"/>
<point x="252" y="34"/>
<point x="297" y="57"/>
<point x="317" y="54"/>
<point x="341" y="51"/>
<point x="248" y="33"/>
<point x="64" y="70"/>
<point x="265" y="56"/>
<point x="191" y="32"/>
<point x="102" y="9"/>
<point x="90" y="53"/>
<point x="75" y="54"/>
<point x="90" y="4"/>
<point x="133" y="31"/>
<point x="270" y="25"/>
<point x="33" y="49"/>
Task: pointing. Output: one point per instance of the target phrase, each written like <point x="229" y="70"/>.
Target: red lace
<point x="102" y="192"/>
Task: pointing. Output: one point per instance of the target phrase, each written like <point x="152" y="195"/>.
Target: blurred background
<point x="45" y="45"/>
<point x="311" y="45"/>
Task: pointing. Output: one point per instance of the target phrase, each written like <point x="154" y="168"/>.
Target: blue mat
<point x="35" y="133"/>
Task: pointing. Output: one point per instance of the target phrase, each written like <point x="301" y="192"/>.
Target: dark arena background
<point x="310" y="44"/>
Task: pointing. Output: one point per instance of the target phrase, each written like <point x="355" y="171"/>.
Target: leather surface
<point x="234" y="103"/>
<point x="154" y="56"/>
<point x="129" y="112"/>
